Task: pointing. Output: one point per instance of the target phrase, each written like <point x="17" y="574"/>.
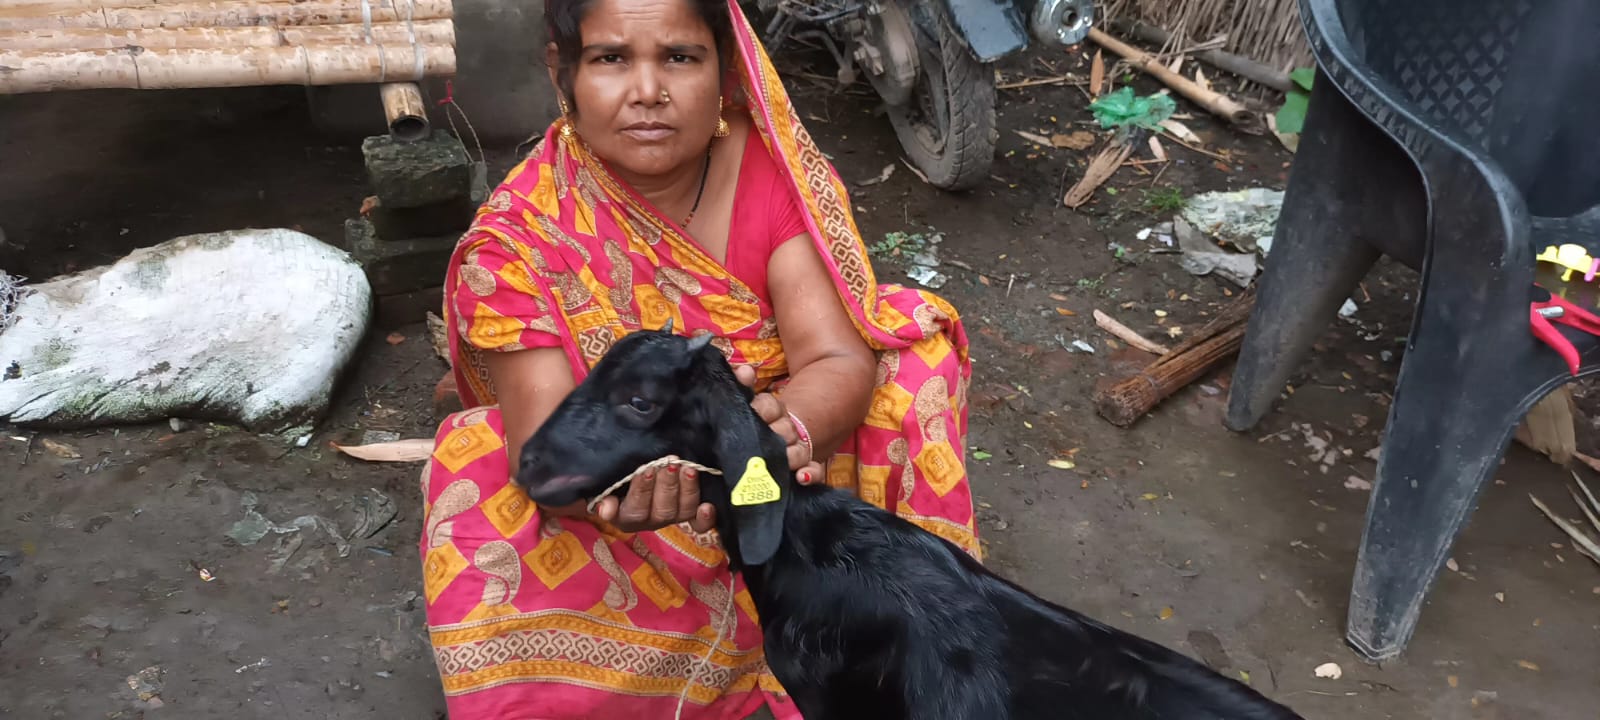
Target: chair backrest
<point x="1510" y="78"/>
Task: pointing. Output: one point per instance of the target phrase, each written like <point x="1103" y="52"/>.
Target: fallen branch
<point x="1127" y="335"/>
<point x="1218" y="104"/>
<point x="1237" y="64"/>
<point x="1124" y="402"/>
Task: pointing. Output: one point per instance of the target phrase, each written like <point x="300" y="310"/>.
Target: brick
<point x="401" y="266"/>
<point x="416" y="174"/>
<point x="446" y="399"/>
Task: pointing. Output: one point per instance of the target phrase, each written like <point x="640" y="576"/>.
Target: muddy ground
<point x="1237" y="549"/>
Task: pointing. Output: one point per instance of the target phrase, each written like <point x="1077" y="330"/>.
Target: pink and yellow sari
<point x="534" y="616"/>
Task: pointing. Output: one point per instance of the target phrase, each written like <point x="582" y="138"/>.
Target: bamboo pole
<point x="403" y="108"/>
<point x="276" y="13"/>
<point x="426" y="32"/>
<point x="35" y="71"/>
<point x="1218" y="104"/>
<point x="1237" y="64"/>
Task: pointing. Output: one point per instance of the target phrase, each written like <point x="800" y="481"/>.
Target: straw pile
<point x="1267" y="31"/>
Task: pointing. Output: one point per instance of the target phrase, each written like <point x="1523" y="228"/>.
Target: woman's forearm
<point x="831" y="396"/>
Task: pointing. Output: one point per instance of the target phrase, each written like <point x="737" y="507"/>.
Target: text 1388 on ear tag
<point x="756" y="486"/>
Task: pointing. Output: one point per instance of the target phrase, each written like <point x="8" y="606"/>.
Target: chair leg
<point x="1459" y="397"/>
<point x="1315" y="261"/>
<point x="1346" y="178"/>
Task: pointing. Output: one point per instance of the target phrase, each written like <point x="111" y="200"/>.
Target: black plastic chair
<point x="1456" y="137"/>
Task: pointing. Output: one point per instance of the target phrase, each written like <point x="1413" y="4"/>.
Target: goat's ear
<point x="666" y="327"/>
<point x="759" y="502"/>
<point x="749" y="453"/>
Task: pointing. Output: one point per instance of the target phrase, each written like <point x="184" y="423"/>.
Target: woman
<point x="655" y="198"/>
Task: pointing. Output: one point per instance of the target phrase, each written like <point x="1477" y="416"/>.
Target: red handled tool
<point x="1542" y="315"/>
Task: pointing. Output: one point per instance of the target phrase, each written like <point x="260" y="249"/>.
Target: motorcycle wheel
<point x="949" y="127"/>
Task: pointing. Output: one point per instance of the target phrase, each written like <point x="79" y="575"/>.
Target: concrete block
<point x="416" y="174"/>
<point x="399" y="266"/>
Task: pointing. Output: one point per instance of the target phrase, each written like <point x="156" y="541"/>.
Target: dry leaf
<point x="1330" y="671"/>
<point x="1177" y="64"/>
<point x="1200" y="79"/>
<point x="1062" y="464"/>
<point x="1161" y="313"/>
<point x="1525" y="665"/>
<point x="1174" y="331"/>
<point x="411" y="450"/>
<point x="1244" y="677"/>
<point x="1453" y="680"/>
<point x="1166" y="613"/>
<point x="1064" y="311"/>
<point x="60" y="449"/>
<point x="1181" y="131"/>
<point x="1157" y="150"/>
<point x="1451" y="563"/>
<point x="1058" y="297"/>
<point x="1500" y="596"/>
<point x="369" y="204"/>
<point x="1100" y="169"/>
<point x="1097" y="74"/>
<point x="1150" y="496"/>
<point x="1356" y="483"/>
<point x="1075" y="140"/>
<point x="984" y="279"/>
<point x="395" y="338"/>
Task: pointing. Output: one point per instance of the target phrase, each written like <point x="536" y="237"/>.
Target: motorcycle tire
<point x="949" y="128"/>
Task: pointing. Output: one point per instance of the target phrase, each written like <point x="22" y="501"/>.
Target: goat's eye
<point x="641" y="405"/>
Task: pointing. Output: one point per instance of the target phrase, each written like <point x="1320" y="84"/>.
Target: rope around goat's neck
<point x="729" y="619"/>
<point x="651" y="466"/>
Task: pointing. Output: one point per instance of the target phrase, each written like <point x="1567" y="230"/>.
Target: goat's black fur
<point x="864" y="614"/>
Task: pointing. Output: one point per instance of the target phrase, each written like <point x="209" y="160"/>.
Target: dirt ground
<point x="1237" y="549"/>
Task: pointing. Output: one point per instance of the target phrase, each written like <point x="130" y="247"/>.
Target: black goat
<point x="864" y="614"/>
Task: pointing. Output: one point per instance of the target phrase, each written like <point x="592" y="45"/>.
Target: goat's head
<point x="656" y="394"/>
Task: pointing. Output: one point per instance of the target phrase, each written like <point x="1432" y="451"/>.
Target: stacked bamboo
<point x="155" y="44"/>
<point x="1267" y="31"/>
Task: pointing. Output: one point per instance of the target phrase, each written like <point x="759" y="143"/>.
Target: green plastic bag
<point x="1122" y="109"/>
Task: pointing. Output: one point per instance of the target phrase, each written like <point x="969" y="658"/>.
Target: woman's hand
<point x="657" y="499"/>
<point x="775" y="415"/>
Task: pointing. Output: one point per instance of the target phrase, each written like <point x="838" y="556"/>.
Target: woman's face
<point x="632" y="51"/>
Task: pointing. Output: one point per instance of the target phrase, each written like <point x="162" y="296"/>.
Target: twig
<point x="1202" y="151"/>
<point x="1127" y="335"/>
<point x="915" y="171"/>
<point x="1583" y="542"/>
<point x="1066" y="79"/>
<point x="1592" y="502"/>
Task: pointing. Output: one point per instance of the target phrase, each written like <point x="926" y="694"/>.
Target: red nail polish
<point x="689" y="473"/>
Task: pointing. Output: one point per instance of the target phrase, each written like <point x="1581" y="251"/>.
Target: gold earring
<point x="566" y="118"/>
<point x="722" y="130"/>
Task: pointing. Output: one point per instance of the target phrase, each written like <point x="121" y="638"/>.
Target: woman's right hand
<point x="667" y="496"/>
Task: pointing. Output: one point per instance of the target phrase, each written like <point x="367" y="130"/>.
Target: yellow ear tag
<point x="756" y="486"/>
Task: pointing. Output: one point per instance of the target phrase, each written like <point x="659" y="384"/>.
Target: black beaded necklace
<point x="704" y="174"/>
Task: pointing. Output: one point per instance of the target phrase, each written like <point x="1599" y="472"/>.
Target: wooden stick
<point x="1124" y="402"/>
<point x="1058" y="80"/>
<point x="1242" y="66"/>
<point x="425" y="32"/>
<point x="1217" y="103"/>
<point x="275" y="13"/>
<point x="1126" y="334"/>
<point x="403" y="108"/>
<point x="34" y="71"/>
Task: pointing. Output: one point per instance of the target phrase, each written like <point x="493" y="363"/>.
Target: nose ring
<point x="666" y="97"/>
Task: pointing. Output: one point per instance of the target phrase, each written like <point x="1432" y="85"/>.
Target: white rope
<point x="729" y="620"/>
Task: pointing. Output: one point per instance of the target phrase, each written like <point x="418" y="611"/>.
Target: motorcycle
<point x="931" y="61"/>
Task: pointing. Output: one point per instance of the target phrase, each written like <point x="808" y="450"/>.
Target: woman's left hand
<point x="775" y="415"/>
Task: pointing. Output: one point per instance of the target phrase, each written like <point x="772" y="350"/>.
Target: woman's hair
<point x="562" y="19"/>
